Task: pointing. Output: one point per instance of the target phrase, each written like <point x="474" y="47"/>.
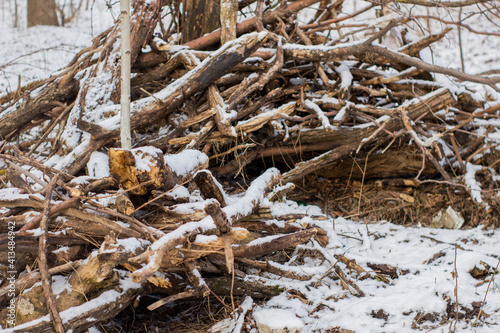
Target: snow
<point x="14" y="194"/>
<point x="424" y="288"/>
<point x="325" y="122"/>
<point x="470" y="181"/>
<point x="179" y="192"/>
<point x="277" y="319"/>
<point x="131" y="244"/>
<point x="345" y="75"/>
<point x="98" y="165"/>
<point x="185" y="161"/>
<point x="422" y="285"/>
<point x="204" y="239"/>
<point x="379" y="121"/>
<point x="228" y="325"/>
<point x="145" y="157"/>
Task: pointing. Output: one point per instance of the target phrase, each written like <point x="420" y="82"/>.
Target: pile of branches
<point x="181" y="234"/>
<point x="280" y="95"/>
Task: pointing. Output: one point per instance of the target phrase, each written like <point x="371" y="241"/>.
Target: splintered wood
<point x="222" y="133"/>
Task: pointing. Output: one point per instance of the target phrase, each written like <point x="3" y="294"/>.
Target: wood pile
<point x="256" y="114"/>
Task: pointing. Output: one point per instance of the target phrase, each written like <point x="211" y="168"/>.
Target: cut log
<point x="140" y="170"/>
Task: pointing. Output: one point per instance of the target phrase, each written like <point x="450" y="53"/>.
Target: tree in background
<point x="200" y="17"/>
<point x="42" y="12"/>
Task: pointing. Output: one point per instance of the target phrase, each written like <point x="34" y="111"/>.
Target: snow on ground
<point x="424" y="258"/>
<point x="30" y="54"/>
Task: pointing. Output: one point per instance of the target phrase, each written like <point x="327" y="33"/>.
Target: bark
<point x="194" y="81"/>
<point x="42" y="12"/>
<point x="200" y="18"/>
<point x="348" y="140"/>
<point x="35" y="105"/>
<point x="125" y="135"/>
<point x="209" y="187"/>
<point x="248" y="25"/>
<point x="228" y="18"/>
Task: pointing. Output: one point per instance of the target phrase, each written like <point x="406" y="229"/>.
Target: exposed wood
<point x="124" y="205"/>
<point x="228" y="18"/>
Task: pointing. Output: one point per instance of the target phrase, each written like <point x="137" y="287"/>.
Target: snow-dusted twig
<point x="42" y="261"/>
<point x="427" y="154"/>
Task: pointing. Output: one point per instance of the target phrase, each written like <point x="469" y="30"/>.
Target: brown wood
<point x="280" y="243"/>
<point x="124" y="205"/>
<point x="228" y="19"/>
<point x="42" y="12"/>
<point x="271" y="267"/>
<point x="249" y="24"/>
<point x="36" y="105"/>
<point x="200" y="17"/>
<point x="208" y="187"/>
<point x="350" y="140"/>
<point x="139" y="180"/>
<point x="57" y="208"/>
<point x="42" y="262"/>
<point x="219" y="64"/>
<point x="220" y="218"/>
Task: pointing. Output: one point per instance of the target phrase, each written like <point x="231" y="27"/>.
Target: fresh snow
<point x="425" y="282"/>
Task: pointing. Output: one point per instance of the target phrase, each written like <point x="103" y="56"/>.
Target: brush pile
<point x="281" y="103"/>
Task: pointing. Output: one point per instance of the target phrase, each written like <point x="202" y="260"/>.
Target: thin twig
<point x="42" y="260"/>
<point x="486" y="294"/>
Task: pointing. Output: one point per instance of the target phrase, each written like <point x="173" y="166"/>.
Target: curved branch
<point x="411" y="61"/>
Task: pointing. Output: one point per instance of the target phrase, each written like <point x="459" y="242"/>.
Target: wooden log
<point x="221" y="117"/>
<point x="81" y="318"/>
<point x="140" y="170"/>
<point x="245" y="127"/>
<point x="28" y="280"/>
<point x="17" y="181"/>
<point x="241" y="288"/>
<point x="199" y="18"/>
<point x="96" y="273"/>
<point x="349" y="139"/>
<point x="220" y="219"/>
<point x="48" y="294"/>
<point x="209" y="187"/>
<point x="37" y="103"/>
<point x="276" y="244"/>
<point x="63" y="208"/>
<point x="229" y="19"/>
<point x="274" y="268"/>
<point x="149" y="110"/>
<point x="158" y="73"/>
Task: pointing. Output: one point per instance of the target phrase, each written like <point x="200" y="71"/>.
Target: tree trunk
<point x="42" y="12"/>
<point x="200" y="17"/>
